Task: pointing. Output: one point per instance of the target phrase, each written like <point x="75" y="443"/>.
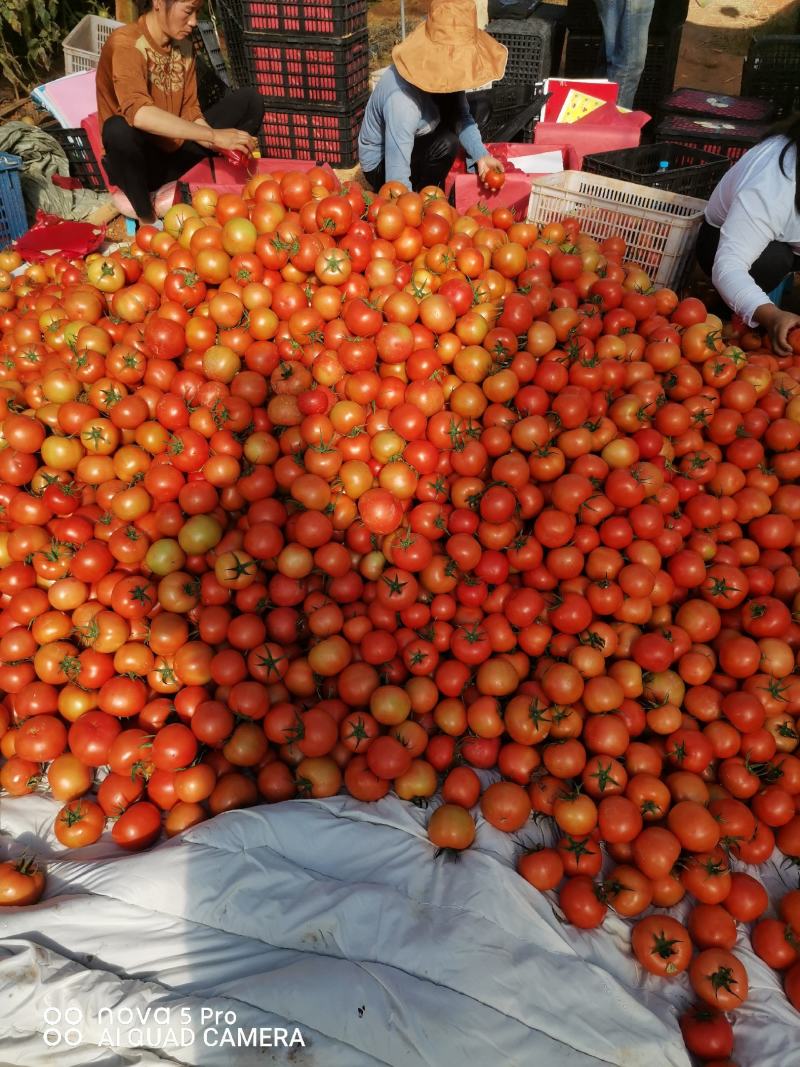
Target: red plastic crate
<point x="729" y="137"/>
<point x="325" y="136"/>
<point x="332" y="17"/>
<point x="717" y="105"/>
<point x="310" y="71"/>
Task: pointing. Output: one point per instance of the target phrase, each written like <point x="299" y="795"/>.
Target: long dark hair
<point x="790" y="129"/>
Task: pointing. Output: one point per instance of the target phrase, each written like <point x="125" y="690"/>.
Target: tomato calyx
<point x="304" y="786"/>
<point x="28" y="866"/>
<point x="723" y="978"/>
<point x="603" y="777"/>
<point x="73" y="813"/>
<point x="71" y="666"/>
<point x="664" y="948"/>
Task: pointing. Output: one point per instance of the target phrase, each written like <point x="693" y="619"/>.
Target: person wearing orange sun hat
<point x="418" y="113"/>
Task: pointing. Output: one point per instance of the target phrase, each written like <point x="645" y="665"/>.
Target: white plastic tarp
<point x="335" y="918"/>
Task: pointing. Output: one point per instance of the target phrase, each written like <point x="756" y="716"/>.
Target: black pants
<point x="433" y="154"/>
<point x="769" y="270"/>
<point x="135" y="162"/>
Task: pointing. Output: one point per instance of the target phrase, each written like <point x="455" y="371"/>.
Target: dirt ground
<point x="715" y="38"/>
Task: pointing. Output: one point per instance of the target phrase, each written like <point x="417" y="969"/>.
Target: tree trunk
<point x="126" y="11"/>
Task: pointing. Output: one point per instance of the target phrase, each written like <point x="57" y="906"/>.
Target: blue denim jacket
<point x="397" y="112"/>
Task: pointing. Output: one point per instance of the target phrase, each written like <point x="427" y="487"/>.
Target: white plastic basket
<point x="83" y="44"/>
<point x="659" y="228"/>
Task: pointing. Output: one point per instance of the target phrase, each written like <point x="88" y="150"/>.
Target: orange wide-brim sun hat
<point x="447" y="53"/>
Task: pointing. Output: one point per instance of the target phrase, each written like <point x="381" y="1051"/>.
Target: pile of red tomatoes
<point x="308" y="493"/>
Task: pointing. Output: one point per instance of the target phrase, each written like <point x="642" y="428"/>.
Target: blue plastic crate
<point x="13" y="222"/>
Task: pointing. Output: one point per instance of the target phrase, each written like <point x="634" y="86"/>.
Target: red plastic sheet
<point x="516" y="191"/>
<point x="51" y="235"/>
<point x="601" y="131"/>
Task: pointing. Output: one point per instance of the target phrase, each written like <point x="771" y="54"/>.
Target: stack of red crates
<point x="309" y="59"/>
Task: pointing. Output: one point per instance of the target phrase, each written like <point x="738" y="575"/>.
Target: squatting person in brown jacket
<point x="151" y="123"/>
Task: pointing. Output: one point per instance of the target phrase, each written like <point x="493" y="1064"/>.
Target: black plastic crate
<point x="529" y="44"/>
<point x="772" y="72"/>
<point x="668" y="14"/>
<point x="332" y="18"/>
<point x="691" y="171"/>
<point x="658" y="76"/>
<point x="82" y="163"/>
<point x="712" y="135"/>
<point x="582" y="17"/>
<point x="705" y="104"/>
<point x="206" y="43"/>
<point x="556" y="15"/>
<point x="585" y="57"/>
<point x="316" y="72"/>
<point x="507" y="103"/>
<point x="324" y="136"/>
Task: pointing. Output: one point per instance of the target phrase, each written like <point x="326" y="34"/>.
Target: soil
<point x="716" y="38"/>
<point x="385" y="27"/>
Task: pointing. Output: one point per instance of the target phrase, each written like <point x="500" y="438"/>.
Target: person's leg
<point x="242" y="109"/>
<point x="769" y="270"/>
<point x="375" y="178"/>
<point x="432" y="158"/>
<point x="610" y="12"/>
<point x="625" y="28"/>
<point x="706" y="247"/>
<point x="773" y="265"/>
<point x="133" y="162"/>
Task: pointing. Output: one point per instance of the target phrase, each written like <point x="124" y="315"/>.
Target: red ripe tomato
<point x="164" y="338"/>
<point x="661" y="945"/>
<point x="174" y="747"/>
<point x="462" y="786"/>
<point x="494" y="179"/>
<point x="90" y="737"/>
<point x="747" y="899"/>
<point x="791" y="985"/>
<point x="543" y="868"/>
<point x="506" y="806"/>
<point x="388" y="758"/>
<point x="694" y="826"/>
<point x="712" y="926"/>
<point x="138" y="827"/>
<point x="706" y="1033"/>
<point x="451" y="827"/>
<point x="581" y="901"/>
<point x="775" y="943"/>
<point x="21" y="882"/>
<point x="380" y="511"/>
<point x="719" y="979"/>
<point x="79" y="823"/>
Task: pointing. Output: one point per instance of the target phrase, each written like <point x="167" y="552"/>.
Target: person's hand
<point x="233" y="141"/>
<point x="778" y="325"/>
<point x="487" y="163"/>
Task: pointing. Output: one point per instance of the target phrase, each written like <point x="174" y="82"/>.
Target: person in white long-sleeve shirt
<point x="750" y="239"/>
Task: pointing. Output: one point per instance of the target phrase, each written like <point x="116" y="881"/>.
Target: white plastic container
<point x="83" y="44"/>
<point x="659" y="228"/>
